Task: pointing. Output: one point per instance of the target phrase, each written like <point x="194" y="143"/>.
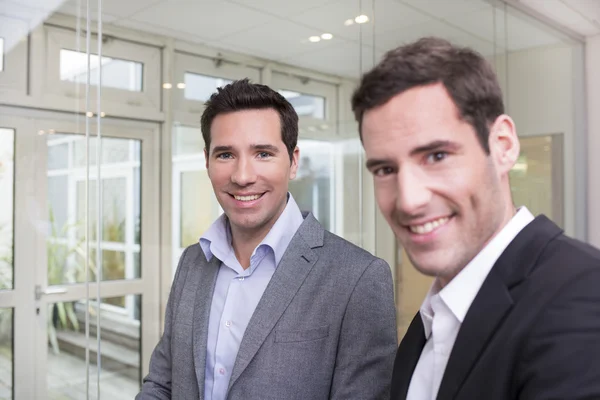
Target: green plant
<point x="62" y="314"/>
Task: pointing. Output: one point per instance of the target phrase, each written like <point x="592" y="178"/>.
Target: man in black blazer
<point x="514" y="310"/>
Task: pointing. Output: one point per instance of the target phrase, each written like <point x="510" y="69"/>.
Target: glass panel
<point x="187" y="140"/>
<point x="120" y="375"/>
<point x="198" y="206"/>
<point x="534" y="176"/>
<point x="312" y="188"/>
<point x="121" y="213"/>
<point x="6" y="353"/>
<point x="116" y="73"/>
<point x="1" y="54"/>
<point x="7" y="146"/>
<point x="113" y="151"/>
<point x="58" y="155"/>
<point x="306" y="105"/>
<point x="200" y="87"/>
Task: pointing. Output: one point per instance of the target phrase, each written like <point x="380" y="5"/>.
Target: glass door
<point x="83" y="224"/>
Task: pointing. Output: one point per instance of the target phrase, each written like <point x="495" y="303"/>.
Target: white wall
<point x="539" y="96"/>
<point x="593" y="125"/>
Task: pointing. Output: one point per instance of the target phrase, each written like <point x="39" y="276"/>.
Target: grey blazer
<point x="325" y="328"/>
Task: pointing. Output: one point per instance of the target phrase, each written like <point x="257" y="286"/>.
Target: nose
<point x="413" y="193"/>
<point x="244" y="173"/>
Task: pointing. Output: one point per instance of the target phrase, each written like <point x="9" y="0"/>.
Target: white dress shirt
<point x="238" y="291"/>
<point x="443" y="311"/>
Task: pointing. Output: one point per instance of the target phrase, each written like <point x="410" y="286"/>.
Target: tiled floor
<point x="67" y="379"/>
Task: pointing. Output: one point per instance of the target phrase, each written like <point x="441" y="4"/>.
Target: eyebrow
<point x="426" y="148"/>
<point x="435" y="145"/>
<point x="267" y="147"/>
<point x="220" y="149"/>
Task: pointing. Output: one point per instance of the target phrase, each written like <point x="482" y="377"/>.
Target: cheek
<point x="386" y="198"/>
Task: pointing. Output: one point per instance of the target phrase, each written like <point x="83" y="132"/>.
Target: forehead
<point x="412" y="118"/>
<point x="239" y="127"/>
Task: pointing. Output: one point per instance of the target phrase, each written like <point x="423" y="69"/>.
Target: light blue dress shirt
<point x="238" y="291"/>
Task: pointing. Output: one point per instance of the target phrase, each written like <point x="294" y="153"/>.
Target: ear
<point x="294" y="166"/>
<point x="504" y="144"/>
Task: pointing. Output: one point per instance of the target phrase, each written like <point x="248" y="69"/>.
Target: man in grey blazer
<point x="268" y="304"/>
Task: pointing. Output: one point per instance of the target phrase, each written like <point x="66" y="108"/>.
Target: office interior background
<point x="102" y="172"/>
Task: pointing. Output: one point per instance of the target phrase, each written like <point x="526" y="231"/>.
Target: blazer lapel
<point x="206" y="276"/>
<point x="493" y="302"/>
<point x="487" y="311"/>
<point x="407" y="358"/>
<point x="297" y="262"/>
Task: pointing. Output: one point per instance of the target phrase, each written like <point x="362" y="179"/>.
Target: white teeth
<point x="428" y="227"/>
<point x="247" y="198"/>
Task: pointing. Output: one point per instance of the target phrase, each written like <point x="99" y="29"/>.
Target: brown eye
<point x="436" y="157"/>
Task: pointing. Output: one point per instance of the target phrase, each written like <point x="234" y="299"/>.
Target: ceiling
<point x="279" y="29"/>
<point x="580" y="16"/>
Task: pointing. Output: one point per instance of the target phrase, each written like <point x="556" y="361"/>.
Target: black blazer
<point x="533" y="330"/>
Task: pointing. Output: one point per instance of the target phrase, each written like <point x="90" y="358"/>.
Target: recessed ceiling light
<point x="181" y="85"/>
<point x="349" y="22"/>
<point x="89" y="114"/>
<point x="167" y="86"/>
<point x="102" y="114"/>
<point x="361" y="19"/>
<point x="41" y="132"/>
<point x="314" y="39"/>
<point x="327" y="36"/>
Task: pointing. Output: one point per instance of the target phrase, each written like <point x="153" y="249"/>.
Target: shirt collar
<point x="459" y="293"/>
<point x="217" y="239"/>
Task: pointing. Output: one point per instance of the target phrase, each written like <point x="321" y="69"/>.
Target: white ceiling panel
<point x="330" y="18"/>
<point x="279" y="39"/>
<point x="46" y="5"/>
<point x="388" y="15"/>
<point x="340" y="60"/>
<point x="160" y="30"/>
<point x="203" y="18"/>
<point x="581" y="16"/>
<point x="113" y="8"/>
<point x="283" y="8"/>
<point x="434" y="28"/>
<point x="446" y="8"/>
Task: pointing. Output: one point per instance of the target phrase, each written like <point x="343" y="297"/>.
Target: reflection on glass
<point x="121" y="206"/>
<point x="199" y="206"/>
<point x="201" y="87"/>
<point x="312" y="187"/>
<point x="118" y="74"/>
<point x="7" y="146"/>
<point x="195" y="206"/>
<point x="306" y="105"/>
<point x="6" y="353"/>
<point x="536" y="178"/>
<point x="1" y="54"/>
<point x="119" y="347"/>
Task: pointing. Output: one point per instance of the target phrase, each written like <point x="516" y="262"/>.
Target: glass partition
<point x="102" y="168"/>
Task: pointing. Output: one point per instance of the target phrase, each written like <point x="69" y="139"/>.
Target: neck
<point x="509" y="212"/>
<point x="244" y="241"/>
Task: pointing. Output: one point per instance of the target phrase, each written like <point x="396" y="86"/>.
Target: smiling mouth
<point x="428" y="227"/>
<point x="248" y="198"/>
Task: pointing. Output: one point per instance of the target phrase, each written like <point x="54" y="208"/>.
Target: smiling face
<point x="249" y="167"/>
<point x="443" y="196"/>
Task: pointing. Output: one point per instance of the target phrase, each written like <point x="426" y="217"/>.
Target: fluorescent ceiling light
<point x="361" y="19"/>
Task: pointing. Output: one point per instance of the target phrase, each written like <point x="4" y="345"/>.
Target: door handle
<point x="39" y="292"/>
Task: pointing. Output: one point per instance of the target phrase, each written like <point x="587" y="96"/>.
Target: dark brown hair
<point x="243" y="95"/>
<point x="466" y="75"/>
